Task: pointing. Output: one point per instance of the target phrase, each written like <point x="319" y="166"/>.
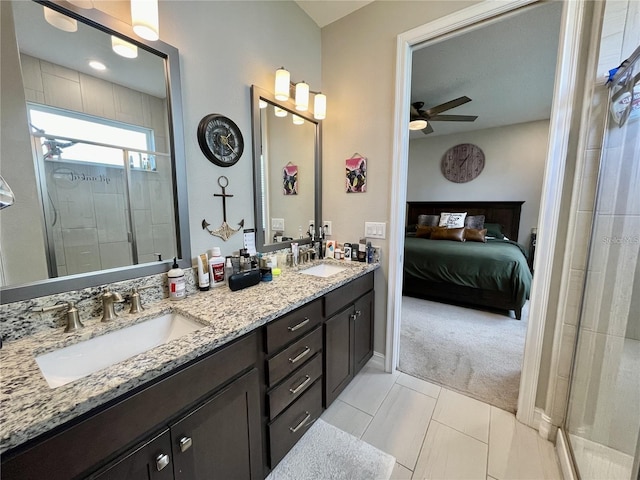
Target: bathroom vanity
<point x="226" y="401"/>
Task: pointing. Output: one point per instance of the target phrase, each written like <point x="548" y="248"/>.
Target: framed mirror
<point x="287" y="172"/>
<point x="96" y="163"/>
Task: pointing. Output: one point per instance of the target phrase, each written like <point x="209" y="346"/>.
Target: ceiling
<point x="324" y="12"/>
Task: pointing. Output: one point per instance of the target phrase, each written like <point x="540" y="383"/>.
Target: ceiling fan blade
<point x="453" y="118"/>
<point x="427" y="130"/>
<point x="448" y="105"/>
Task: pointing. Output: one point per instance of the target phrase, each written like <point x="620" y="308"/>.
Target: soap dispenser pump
<point x="177" y="286"/>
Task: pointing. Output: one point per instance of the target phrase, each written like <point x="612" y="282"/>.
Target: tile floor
<point x="436" y="433"/>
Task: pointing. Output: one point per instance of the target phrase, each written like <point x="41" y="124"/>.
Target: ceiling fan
<point x="421" y="119"/>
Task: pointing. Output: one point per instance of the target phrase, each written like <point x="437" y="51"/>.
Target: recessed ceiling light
<point x="96" y="65"/>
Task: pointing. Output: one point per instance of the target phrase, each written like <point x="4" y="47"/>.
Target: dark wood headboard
<point x="506" y="214"/>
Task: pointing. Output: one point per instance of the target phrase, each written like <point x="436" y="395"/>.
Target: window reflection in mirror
<point x="96" y="181"/>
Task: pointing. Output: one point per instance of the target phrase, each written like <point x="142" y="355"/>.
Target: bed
<point x="494" y="274"/>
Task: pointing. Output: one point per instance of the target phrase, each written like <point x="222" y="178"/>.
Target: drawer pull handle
<point x="298" y="326"/>
<point x="306" y="380"/>
<point x="301" y="424"/>
<point x="162" y="461"/>
<point x="185" y="443"/>
<point x="301" y="356"/>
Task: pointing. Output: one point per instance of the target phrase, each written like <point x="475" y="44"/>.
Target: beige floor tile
<point x="368" y="389"/>
<point x="401" y="472"/>
<point x="450" y="454"/>
<point x="419" y="385"/>
<point x="517" y="451"/>
<point x="347" y="418"/>
<point x="464" y="414"/>
<point x="400" y="424"/>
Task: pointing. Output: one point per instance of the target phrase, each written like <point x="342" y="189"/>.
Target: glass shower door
<point x="603" y="418"/>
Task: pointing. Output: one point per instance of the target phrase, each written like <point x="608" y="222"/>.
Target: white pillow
<point x="452" y="220"/>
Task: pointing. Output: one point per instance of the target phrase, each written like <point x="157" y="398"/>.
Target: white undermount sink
<point x="81" y="359"/>
<point x="323" y="270"/>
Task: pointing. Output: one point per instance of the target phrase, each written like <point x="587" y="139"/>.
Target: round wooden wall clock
<point x="462" y="163"/>
<point x="220" y="139"/>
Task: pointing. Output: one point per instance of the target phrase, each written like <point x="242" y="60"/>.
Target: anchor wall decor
<point x="224" y="231"/>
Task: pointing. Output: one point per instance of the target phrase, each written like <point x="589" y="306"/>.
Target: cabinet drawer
<point x="294" y="356"/>
<point x="293" y="325"/>
<point x="294" y="422"/>
<point x="294" y="386"/>
<point x="338" y="299"/>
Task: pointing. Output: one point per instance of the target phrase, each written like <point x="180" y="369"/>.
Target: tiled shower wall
<point x="620" y="36"/>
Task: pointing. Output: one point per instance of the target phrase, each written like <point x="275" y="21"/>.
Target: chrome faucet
<point x="73" y="317"/>
<point x="109" y="298"/>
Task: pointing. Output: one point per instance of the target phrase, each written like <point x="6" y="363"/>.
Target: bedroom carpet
<point x="326" y="452"/>
<point x="475" y="352"/>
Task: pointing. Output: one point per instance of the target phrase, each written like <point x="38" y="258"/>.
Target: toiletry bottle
<point x="228" y="270"/>
<point x="177" y="286"/>
<point x="216" y="267"/>
<point x="203" y="272"/>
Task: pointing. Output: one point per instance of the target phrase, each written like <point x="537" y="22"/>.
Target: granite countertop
<point x="30" y="407"/>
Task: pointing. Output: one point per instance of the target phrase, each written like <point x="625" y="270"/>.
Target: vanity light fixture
<point x="302" y="96"/>
<point x="144" y="19"/>
<point x="282" y="92"/>
<point x="123" y="48"/>
<point x="297" y="120"/>
<point x="283" y="82"/>
<point x="417" y="124"/>
<point x="60" y="21"/>
<point x="279" y="112"/>
<point x="262" y="104"/>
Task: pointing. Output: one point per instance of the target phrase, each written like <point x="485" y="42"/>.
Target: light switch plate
<point x="277" y="224"/>
<point x="375" y="230"/>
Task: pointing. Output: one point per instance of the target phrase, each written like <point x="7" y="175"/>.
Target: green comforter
<point x="498" y="265"/>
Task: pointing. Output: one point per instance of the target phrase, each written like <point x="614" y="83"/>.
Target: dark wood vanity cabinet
<point x="348" y="334"/>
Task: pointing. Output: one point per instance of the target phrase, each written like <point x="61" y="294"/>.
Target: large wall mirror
<point x="94" y="157"/>
<point x="287" y="171"/>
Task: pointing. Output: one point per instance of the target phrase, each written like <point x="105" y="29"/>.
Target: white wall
<point x="515" y="158"/>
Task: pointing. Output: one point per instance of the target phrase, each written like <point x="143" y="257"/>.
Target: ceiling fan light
<point x="144" y="19"/>
<point x="123" y="48"/>
<point x="418" y="124"/>
<point x="60" y="21"/>
<point x="302" y="96"/>
<point x="320" y="106"/>
<point x="281" y="90"/>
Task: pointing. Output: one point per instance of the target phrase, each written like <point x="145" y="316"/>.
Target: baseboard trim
<point x="546" y="428"/>
<point x="378" y="360"/>
<point x="564" y="457"/>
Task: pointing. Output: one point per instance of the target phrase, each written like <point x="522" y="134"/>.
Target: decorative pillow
<point x="428" y="220"/>
<point x="494" y="230"/>
<point x="475" y="235"/>
<point x="425" y="231"/>
<point x="444" y="233"/>
<point x="452" y="220"/>
<point x="474" y="221"/>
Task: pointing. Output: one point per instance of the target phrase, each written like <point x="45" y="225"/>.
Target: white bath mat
<point x="328" y="453"/>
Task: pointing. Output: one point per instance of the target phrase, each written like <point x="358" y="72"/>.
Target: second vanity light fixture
<point x="282" y="90"/>
<point x="144" y="19"/>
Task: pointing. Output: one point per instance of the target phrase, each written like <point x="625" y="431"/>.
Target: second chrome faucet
<point x="109" y="299"/>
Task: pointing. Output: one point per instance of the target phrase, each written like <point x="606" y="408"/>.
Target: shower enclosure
<point x="603" y="417"/>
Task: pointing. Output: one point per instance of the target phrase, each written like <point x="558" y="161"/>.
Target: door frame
<point x="564" y="103"/>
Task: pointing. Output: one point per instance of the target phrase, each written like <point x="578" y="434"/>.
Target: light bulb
<point x="123" y="48"/>
<point x="417" y="124"/>
<point x="281" y="90"/>
<point x="279" y="112"/>
<point x="302" y="96"/>
<point x="144" y="18"/>
<point x="60" y="21"/>
<point x="320" y="107"/>
<point x="297" y="120"/>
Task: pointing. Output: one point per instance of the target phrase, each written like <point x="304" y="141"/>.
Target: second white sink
<point x="76" y="361"/>
<point x="323" y="270"/>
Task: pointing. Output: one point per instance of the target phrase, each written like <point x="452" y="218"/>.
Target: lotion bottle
<point x="203" y="272"/>
<point x="177" y="286"/>
<point x="216" y="267"/>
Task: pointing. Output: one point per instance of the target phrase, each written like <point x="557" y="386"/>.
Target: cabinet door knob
<point x="162" y="461"/>
<point x="185" y="444"/>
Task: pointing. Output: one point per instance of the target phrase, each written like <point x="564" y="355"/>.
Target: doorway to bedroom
<point x="502" y="72"/>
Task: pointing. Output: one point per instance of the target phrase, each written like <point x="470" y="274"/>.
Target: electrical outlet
<point x="327" y="223"/>
<point x="375" y="230"/>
